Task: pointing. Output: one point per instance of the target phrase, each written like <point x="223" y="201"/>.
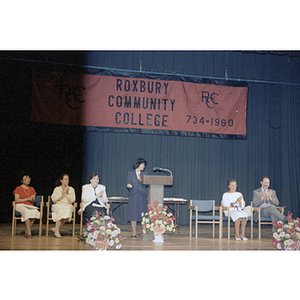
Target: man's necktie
<point x="267" y="199"/>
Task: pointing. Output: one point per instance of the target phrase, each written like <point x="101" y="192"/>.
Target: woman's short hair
<point x="231" y="180"/>
<point x="139" y="161"/>
<point x="93" y="175"/>
<point x="24" y="174"/>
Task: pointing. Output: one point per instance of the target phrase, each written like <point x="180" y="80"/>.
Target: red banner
<point x="123" y="102"/>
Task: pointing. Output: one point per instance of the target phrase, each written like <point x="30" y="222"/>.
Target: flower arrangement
<point x="101" y="232"/>
<point x="157" y="219"/>
<point x="287" y="234"/>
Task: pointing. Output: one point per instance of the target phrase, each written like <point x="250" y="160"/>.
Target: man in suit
<point x="267" y="200"/>
<point x="93" y="197"/>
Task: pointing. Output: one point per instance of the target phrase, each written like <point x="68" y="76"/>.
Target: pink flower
<point x="289" y="217"/>
<point x="277" y="224"/>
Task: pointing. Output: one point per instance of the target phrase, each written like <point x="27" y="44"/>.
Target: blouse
<point x="24" y="193"/>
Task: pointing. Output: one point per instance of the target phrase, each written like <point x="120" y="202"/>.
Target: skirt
<point x="62" y="212"/>
<point x="27" y="212"/>
<point x="237" y="214"/>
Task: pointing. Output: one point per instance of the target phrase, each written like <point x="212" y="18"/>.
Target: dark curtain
<point x="200" y="166"/>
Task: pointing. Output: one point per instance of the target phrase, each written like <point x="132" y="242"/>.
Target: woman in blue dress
<point x="137" y="193"/>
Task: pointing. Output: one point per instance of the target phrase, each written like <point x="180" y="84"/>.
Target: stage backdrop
<point x="155" y="105"/>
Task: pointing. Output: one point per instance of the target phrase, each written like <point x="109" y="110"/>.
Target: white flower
<point x="93" y="218"/>
<point x="102" y="228"/>
<point x="90" y="235"/>
<point x="111" y="243"/>
<point x="119" y="246"/>
<point x="89" y="228"/>
<point x="282" y="234"/>
<point x="110" y="225"/>
<point x="113" y="234"/>
<point x="106" y="217"/>
<point x="279" y="246"/>
<point x="275" y="235"/>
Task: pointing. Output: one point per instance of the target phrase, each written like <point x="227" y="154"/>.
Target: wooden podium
<point x="156" y="187"/>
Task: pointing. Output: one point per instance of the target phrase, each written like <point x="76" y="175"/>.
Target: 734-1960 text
<point x="211" y="121"/>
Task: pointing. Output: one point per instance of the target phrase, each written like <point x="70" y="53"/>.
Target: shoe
<point x="133" y="236"/>
<point x="28" y="236"/>
<point x="57" y="236"/>
<point x="237" y="239"/>
<point x="244" y="238"/>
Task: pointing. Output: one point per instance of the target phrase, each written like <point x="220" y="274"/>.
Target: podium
<point x="156" y="187"/>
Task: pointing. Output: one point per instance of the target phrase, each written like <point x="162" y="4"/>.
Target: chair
<point x="226" y="208"/>
<point x="204" y="207"/>
<point x="263" y="220"/>
<point x="49" y="215"/>
<point x="81" y="214"/>
<point x="39" y="202"/>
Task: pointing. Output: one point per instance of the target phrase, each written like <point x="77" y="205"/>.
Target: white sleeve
<point x="226" y="200"/>
<point x="86" y="196"/>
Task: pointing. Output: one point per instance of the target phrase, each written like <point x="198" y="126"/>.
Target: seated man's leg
<point x="276" y="215"/>
<point x="273" y="213"/>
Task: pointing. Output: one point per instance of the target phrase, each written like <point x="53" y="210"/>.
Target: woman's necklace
<point x="26" y="193"/>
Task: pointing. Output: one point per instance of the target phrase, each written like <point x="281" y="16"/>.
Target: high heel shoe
<point x="237" y="239"/>
<point x="244" y="238"/>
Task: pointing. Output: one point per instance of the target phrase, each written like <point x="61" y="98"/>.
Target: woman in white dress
<point x="63" y="198"/>
<point x="235" y="201"/>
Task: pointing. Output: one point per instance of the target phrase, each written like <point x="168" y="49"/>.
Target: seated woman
<point x="63" y="196"/>
<point x="25" y="199"/>
<point x="93" y="198"/>
<point x="235" y="201"/>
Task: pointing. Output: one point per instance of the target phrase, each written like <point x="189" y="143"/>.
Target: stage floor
<point x="177" y="242"/>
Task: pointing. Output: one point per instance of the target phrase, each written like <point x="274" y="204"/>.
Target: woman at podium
<point x="137" y="193"/>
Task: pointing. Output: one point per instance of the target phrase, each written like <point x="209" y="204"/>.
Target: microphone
<point x="163" y="170"/>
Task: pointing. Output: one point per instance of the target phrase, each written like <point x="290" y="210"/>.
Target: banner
<point x="138" y="103"/>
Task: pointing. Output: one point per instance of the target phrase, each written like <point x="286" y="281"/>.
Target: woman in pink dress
<point x="25" y="200"/>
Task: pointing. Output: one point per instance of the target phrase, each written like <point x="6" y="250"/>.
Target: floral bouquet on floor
<point x="157" y="219"/>
<point x="101" y="232"/>
<point x="287" y="234"/>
